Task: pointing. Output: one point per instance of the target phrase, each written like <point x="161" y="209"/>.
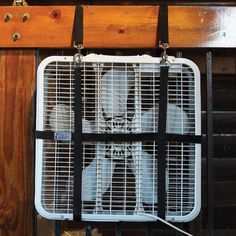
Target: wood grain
<point x="118" y="26"/>
<point x="17" y="79"/>
<point x="122" y="2"/>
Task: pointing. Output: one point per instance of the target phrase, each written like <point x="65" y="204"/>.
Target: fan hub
<point x="118" y="125"/>
<point x="118" y="150"/>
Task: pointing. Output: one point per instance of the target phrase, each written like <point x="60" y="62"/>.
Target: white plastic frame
<point x="39" y="126"/>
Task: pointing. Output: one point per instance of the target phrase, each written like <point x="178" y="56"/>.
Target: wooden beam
<point x="17" y="84"/>
<point x="118" y="26"/>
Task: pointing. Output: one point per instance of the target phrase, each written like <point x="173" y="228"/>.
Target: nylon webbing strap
<point x="77" y="200"/>
<point x="106" y="137"/>
<point x="78" y="25"/>
<point x="161" y="153"/>
<point x="163" y="37"/>
<point x="163" y="31"/>
<point x="77" y="188"/>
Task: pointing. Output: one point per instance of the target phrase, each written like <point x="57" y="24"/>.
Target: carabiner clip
<point x="164" y="56"/>
<point x="78" y="56"/>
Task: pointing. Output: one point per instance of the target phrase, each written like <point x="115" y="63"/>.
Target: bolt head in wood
<point x="16" y="36"/>
<point x="7" y="17"/>
<point x="25" y="17"/>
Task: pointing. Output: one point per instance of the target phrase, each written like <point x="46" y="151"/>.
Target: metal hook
<point x="78" y="56"/>
<point x="164" y="55"/>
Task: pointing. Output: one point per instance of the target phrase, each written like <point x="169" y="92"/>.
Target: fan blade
<point x="115" y="86"/>
<point x="91" y="181"/>
<point x="108" y="167"/>
<point x="177" y="120"/>
<point x="61" y="118"/>
<point x="88" y="126"/>
<point x="148" y="189"/>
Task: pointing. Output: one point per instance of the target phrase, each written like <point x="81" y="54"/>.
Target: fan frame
<point x="39" y="142"/>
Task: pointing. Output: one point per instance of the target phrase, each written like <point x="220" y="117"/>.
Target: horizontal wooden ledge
<point x="118" y="27"/>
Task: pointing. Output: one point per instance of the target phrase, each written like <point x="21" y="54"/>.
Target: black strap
<point x="161" y="153"/>
<point x="141" y="137"/>
<point x="78" y="25"/>
<point x="77" y="198"/>
<point x="163" y="32"/>
<point x="44" y="135"/>
<point x="163" y="38"/>
<point x="77" y="188"/>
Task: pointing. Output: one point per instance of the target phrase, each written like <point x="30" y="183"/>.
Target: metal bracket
<point x="19" y="3"/>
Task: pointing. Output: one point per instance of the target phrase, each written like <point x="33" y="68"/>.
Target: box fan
<point x="119" y="179"/>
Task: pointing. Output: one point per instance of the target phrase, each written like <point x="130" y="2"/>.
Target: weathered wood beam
<point x="118" y="26"/>
<point x="17" y="84"/>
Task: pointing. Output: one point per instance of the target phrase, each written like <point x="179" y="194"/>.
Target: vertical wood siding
<point x="17" y="87"/>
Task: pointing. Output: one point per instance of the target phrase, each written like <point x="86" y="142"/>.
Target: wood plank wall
<point x="17" y="87"/>
<point x="118" y="27"/>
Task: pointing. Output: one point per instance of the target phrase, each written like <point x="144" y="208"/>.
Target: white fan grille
<point x="119" y="178"/>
